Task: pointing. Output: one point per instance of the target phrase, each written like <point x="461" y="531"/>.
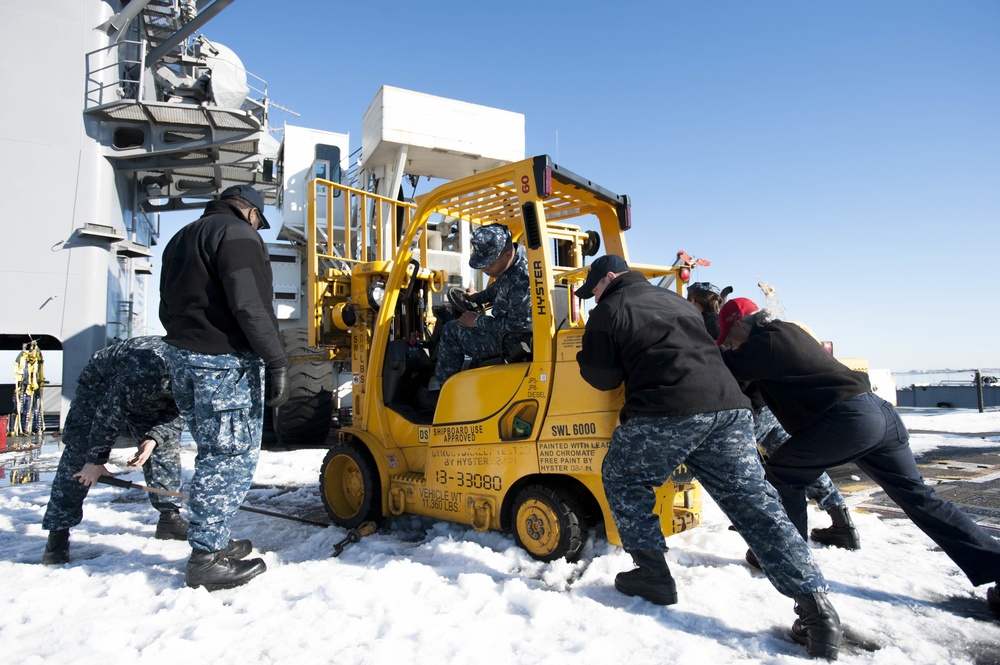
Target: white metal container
<point x="442" y="138"/>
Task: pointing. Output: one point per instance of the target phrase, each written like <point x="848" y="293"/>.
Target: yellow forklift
<point x="516" y="442"/>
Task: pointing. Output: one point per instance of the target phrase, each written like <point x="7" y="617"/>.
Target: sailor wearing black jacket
<point x="770" y="436"/>
<point x="683" y="406"/>
<point x="834" y="418"/>
<point x="215" y="304"/>
<point x="216" y="289"/>
<point x="659" y="351"/>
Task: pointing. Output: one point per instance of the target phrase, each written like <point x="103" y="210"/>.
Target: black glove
<point x="279" y="386"/>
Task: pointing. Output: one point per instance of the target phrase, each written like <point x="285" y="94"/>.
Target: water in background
<point x="919" y="378"/>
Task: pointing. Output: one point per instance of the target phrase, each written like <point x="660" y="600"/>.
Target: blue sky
<point x="847" y="153"/>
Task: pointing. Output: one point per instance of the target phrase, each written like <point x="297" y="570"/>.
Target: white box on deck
<point x="286" y="277"/>
<point x="298" y="152"/>
<point x="443" y="138"/>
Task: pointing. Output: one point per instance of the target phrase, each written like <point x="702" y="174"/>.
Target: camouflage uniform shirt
<point x="510" y="298"/>
<point x="124" y="385"/>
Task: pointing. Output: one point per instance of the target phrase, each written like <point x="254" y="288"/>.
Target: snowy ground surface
<point x="424" y="591"/>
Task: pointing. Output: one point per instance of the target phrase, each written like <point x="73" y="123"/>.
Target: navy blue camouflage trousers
<point x="458" y="342"/>
<point x="65" y="509"/>
<point x="221" y="399"/>
<point x="719" y="450"/>
<point x="868" y="431"/>
<point x="770" y="435"/>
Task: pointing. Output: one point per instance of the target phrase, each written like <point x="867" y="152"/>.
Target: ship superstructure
<point x="115" y="112"/>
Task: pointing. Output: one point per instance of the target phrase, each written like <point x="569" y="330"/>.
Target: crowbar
<point x="118" y="482"/>
<point x="353" y="536"/>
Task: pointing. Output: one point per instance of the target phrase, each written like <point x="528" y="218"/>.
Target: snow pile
<point x="425" y="591"/>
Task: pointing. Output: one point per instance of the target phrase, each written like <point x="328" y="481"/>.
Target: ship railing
<point x="144" y="227"/>
<point x="111" y="79"/>
<point x="257" y="98"/>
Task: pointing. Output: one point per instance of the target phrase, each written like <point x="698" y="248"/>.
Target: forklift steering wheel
<point x="461" y="303"/>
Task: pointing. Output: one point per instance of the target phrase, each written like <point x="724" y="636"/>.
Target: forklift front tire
<point x="548" y="524"/>
<point x="349" y="486"/>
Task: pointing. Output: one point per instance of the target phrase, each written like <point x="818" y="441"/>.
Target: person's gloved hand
<point x="279" y="386"/>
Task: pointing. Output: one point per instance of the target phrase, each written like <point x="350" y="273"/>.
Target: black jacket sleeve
<point x="600" y="364"/>
<point x="246" y="277"/>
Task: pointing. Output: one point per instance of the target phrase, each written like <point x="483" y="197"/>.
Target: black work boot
<point x="171" y="526"/>
<point x="842" y="533"/>
<point x="818" y="626"/>
<point x="56" y="548"/>
<point x="752" y="560"/>
<point x="993" y="598"/>
<point x="236" y="549"/>
<point x="214" y="571"/>
<point x="651" y="580"/>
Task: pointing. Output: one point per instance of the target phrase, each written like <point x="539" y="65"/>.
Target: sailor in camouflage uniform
<point x="682" y="405"/>
<point x="707" y="299"/>
<point x="124" y="386"/>
<point x="767" y="431"/>
<point x="770" y="435"/>
<point x="476" y="335"/>
<point x="216" y="306"/>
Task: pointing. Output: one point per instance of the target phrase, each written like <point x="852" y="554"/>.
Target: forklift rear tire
<point x="548" y="524"/>
<point x="349" y="486"/>
<point x="305" y="419"/>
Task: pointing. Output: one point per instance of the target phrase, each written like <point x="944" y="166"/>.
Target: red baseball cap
<point x="731" y="312"/>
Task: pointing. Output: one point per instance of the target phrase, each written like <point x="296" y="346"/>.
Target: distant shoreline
<point x="983" y="370"/>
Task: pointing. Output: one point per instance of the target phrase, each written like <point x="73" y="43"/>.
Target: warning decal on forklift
<point x="423" y="434"/>
<point x="459" y="433"/>
<point x="436" y="499"/>
<point x="570" y="456"/>
<point x="569" y="346"/>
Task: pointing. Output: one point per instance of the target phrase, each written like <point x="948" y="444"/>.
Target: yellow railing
<point x="361" y="211"/>
<point x="368" y="232"/>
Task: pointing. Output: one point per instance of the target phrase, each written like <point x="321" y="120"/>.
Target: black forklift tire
<point x="548" y="524"/>
<point x="305" y="419"/>
<point x="349" y="486"/>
